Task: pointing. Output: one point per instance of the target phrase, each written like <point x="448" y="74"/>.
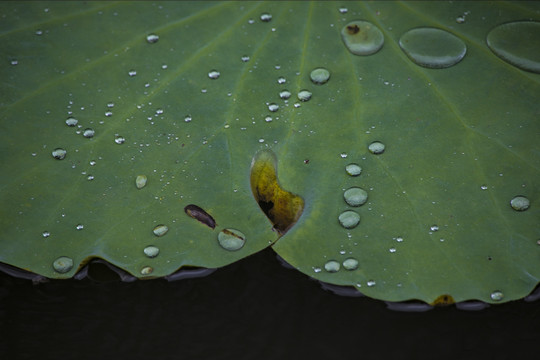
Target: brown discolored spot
<point x="443" y="300"/>
<point x="199" y="214"/>
<point x="353" y="29"/>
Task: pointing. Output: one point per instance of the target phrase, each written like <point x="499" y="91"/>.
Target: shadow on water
<point x="252" y="309"/>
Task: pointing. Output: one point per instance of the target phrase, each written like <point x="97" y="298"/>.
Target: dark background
<point x="252" y="309"/>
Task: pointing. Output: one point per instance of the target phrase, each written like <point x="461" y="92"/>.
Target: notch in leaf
<point x="282" y="207"/>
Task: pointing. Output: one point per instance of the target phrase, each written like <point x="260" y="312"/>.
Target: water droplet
<point x="231" y="239"/>
<point x="273" y="107"/>
<point x="392" y="250"/>
<point x="266" y="17"/>
<point x="355" y="196"/>
<point x="152" y="38"/>
<point x="460" y="19"/>
<point x="140" y="181"/>
<point x="432" y="48"/>
<point x="343" y="155"/>
<point x="59" y="153"/>
<point x="517" y="43"/>
<point x="110" y="104"/>
<point x="187" y="118"/>
<point x="434" y="228"/>
<point x="108" y="113"/>
<point x="46" y="234"/>
<point x="92" y="162"/>
<point x="520" y="203"/>
<point x="151" y="251"/>
<point x="79" y="227"/>
<point x="268" y="119"/>
<point x="362" y="37"/>
<point x="353" y="169"/>
<point x="304" y="95"/>
<point x="245" y="58"/>
<point x="371" y="283"/>
<point x="317" y="269"/>
<point x="350" y="264"/>
<point x="349" y="219"/>
<point x="399" y="239"/>
<point x="132" y="72"/>
<point x="147" y="270"/>
<point x="70" y="121"/>
<point x="39" y="32"/>
<point x="14" y="62"/>
<point x="214" y="74"/>
<point x="159" y="111"/>
<point x="376" y="147"/>
<point x="483" y="187"/>
<point x="331" y="266"/>
<point x="119" y="139"/>
<point x="496" y="295"/>
<point x="160" y="230"/>
<point x="88" y="133"/>
<point x="319" y="75"/>
<point x="285" y="94"/>
<point x="63" y="264"/>
<point x="343" y="10"/>
<point x="281" y="80"/>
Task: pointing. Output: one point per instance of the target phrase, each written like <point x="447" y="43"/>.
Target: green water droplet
<point x="59" y="153"/>
<point x="355" y="196"/>
<point x="63" y="264"/>
<point x="349" y="219"/>
<point x="160" y="230"/>
<point x="353" y="169"/>
<point x="152" y="38"/>
<point x="362" y="37"/>
<point x="350" y="264"/>
<point x="266" y="17"/>
<point x="119" y="139"/>
<point x="151" y="251"/>
<point x="517" y="43"/>
<point x="332" y="266"/>
<point x="71" y="121"/>
<point x="88" y="133"/>
<point x="320" y="75"/>
<point x="432" y="48"/>
<point x="140" y="181"/>
<point x="376" y="147"/>
<point x="214" y="74"/>
<point x="520" y="203"/>
<point x="273" y="107"/>
<point x="147" y="270"/>
<point x="304" y="95"/>
<point x="371" y="283"/>
<point x="285" y="94"/>
<point x="497" y="295"/>
<point x="231" y="239"/>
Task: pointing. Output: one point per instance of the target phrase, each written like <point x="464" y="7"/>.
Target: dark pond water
<point x="253" y="309"/>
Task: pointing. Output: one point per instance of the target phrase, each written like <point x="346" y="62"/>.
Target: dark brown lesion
<point x="199" y="214"/>
<point x="353" y="29"/>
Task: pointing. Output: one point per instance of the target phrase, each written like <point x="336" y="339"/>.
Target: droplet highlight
<point x="214" y="74"/>
<point x="147" y="270"/>
<point x="350" y="264"/>
<point x="497" y="295"/>
<point x="231" y="239"/>
<point x="362" y="37"/>
<point x="304" y="95"/>
<point x="152" y="38"/>
<point x="70" y="121"/>
<point x="89" y="133"/>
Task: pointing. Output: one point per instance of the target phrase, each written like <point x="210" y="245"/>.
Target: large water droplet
<point x="362" y="37"/>
<point x="319" y="75"/>
<point x="376" y="147"/>
<point x="71" y="121"/>
<point x="520" y="203"/>
<point x="63" y="264"/>
<point x="140" y="181"/>
<point x="517" y="43"/>
<point x="79" y="227"/>
<point x="160" y="230"/>
<point x="304" y="95"/>
<point x="350" y="264"/>
<point x="151" y="251"/>
<point x="231" y="239"/>
<point x="59" y="153"/>
<point x="497" y="295"/>
<point x="432" y="48"/>
<point x="353" y="169"/>
<point x="371" y="283"/>
<point x="349" y="219"/>
<point x="332" y="266"/>
<point x="281" y="80"/>
<point x="88" y="133"/>
<point x="355" y="196"/>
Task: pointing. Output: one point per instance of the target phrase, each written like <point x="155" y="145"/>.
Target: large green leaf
<point x="461" y="142"/>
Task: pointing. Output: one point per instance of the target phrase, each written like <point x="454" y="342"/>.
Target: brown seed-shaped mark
<point x="199" y="214"/>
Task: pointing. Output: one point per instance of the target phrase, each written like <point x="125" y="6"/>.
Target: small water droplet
<point x="460" y="19"/>
<point x="245" y="58"/>
<point x="90" y="177"/>
<point x="497" y="295"/>
<point x="88" y="133"/>
<point x="79" y="227"/>
<point x="432" y="48"/>
<point x="231" y="239"/>
<point x="434" y="228"/>
<point x="273" y="107"/>
<point x="353" y="169"/>
<point x="355" y="196"/>
<point x="14" y="62"/>
<point x="517" y="43"/>
<point x="187" y="118"/>
<point x="140" y="181"/>
<point x="350" y="264"/>
<point x="392" y="250"/>
<point x="160" y="230"/>
<point x="317" y="269"/>
<point x="304" y="95"/>
<point x="71" y="121"/>
<point x="63" y="264"/>
<point x="266" y="17"/>
<point x="319" y="75"/>
<point x="110" y="105"/>
<point x="349" y="219"/>
<point x="147" y="270"/>
<point x="281" y="80"/>
<point x="119" y="139"/>
<point x="376" y="147"/>
<point x="483" y="187"/>
<point x="39" y="32"/>
<point x="214" y="74"/>
<point x="46" y="234"/>
<point x="285" y="94"/>
<point x="332" y="266"/>
<point x="261" y="140"/>
<point x="371" y="283"/>
<point x="268" y="119"/>
<point x="362" y="37"/>
<point x="159" y="111"/>
<point x="92" y="162"/>
<point x="399" y="239"/>
<point x="520" y="203"/>
<point x="132" y="72"/>
<point x="152" y="38"/>
<point x="343" y="10"/>
<point x="59" y="153"/>
<point x="151" y="251"/>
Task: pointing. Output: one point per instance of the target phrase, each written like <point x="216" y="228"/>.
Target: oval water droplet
<point x="268" y="119"/>
<point x="79" y="227"/>
<point x="432" y="47"/>
<point x="160" y="230"/>
<point x="147" y="270"/>
<point x="59" y="153"/>
<point x="285" y="94"/>
<point x="245" y="58"/>
<point x="151" y="251"/>
<point x="343" y="10"/>
<point x="46" y="234"/>
<point x="119" y="139"/>
<point x="520" y="203"/>
<point x="362" y="37"/>
<point x="332" y="266"/>
<point x="273" y="107"/>
<point x="88" y="133"/>
<point x="63" y="264"/>
<point x="355" y="196"/>
<point x="517" y="43"/>
<point x="266" y="17"/>
<point x="71" y="121"/>
<point x="350" y="264"/>
<point x="371" y="283"/>
<point x="376" y="147"/>
<point x="434" y="228"/>
<point x="343" y="155"/>
<point x="496" y="295"/>
<point x="281" y="80"/>
<point x="349" y="219"/>
<point x="304" y="95"/>
<point x="353" y="169"/>
<point x="231" y="239"/>
<point x="214" y="74"/>
<point x="140" y="181"/>
<point x="152" y="38"/>
<point x="319" y="75"/>
<point x="132" y="72"/>
<point x="187" y="118"/>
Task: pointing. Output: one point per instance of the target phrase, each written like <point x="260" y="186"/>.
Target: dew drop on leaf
<point x="349" y="219"/>
<point x="353" y="169"/>
<point x="88" y="133"/>
<point x="71" y="121"/>
<point x="160" y="230"/>
<point x="59" y="153"/>
<point x="319" y="75"/>
<point x="355" y="196"/>
<point x="376" y="147"/>
<point x="520" y="203"/>
<point x="362" y="37"/>
<point x="350" y="264"/>
<point x="151" y="251"/>
<point x="63" y="264"/>
<point x="231" y="239"/>
<point x="332" y="266"/>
